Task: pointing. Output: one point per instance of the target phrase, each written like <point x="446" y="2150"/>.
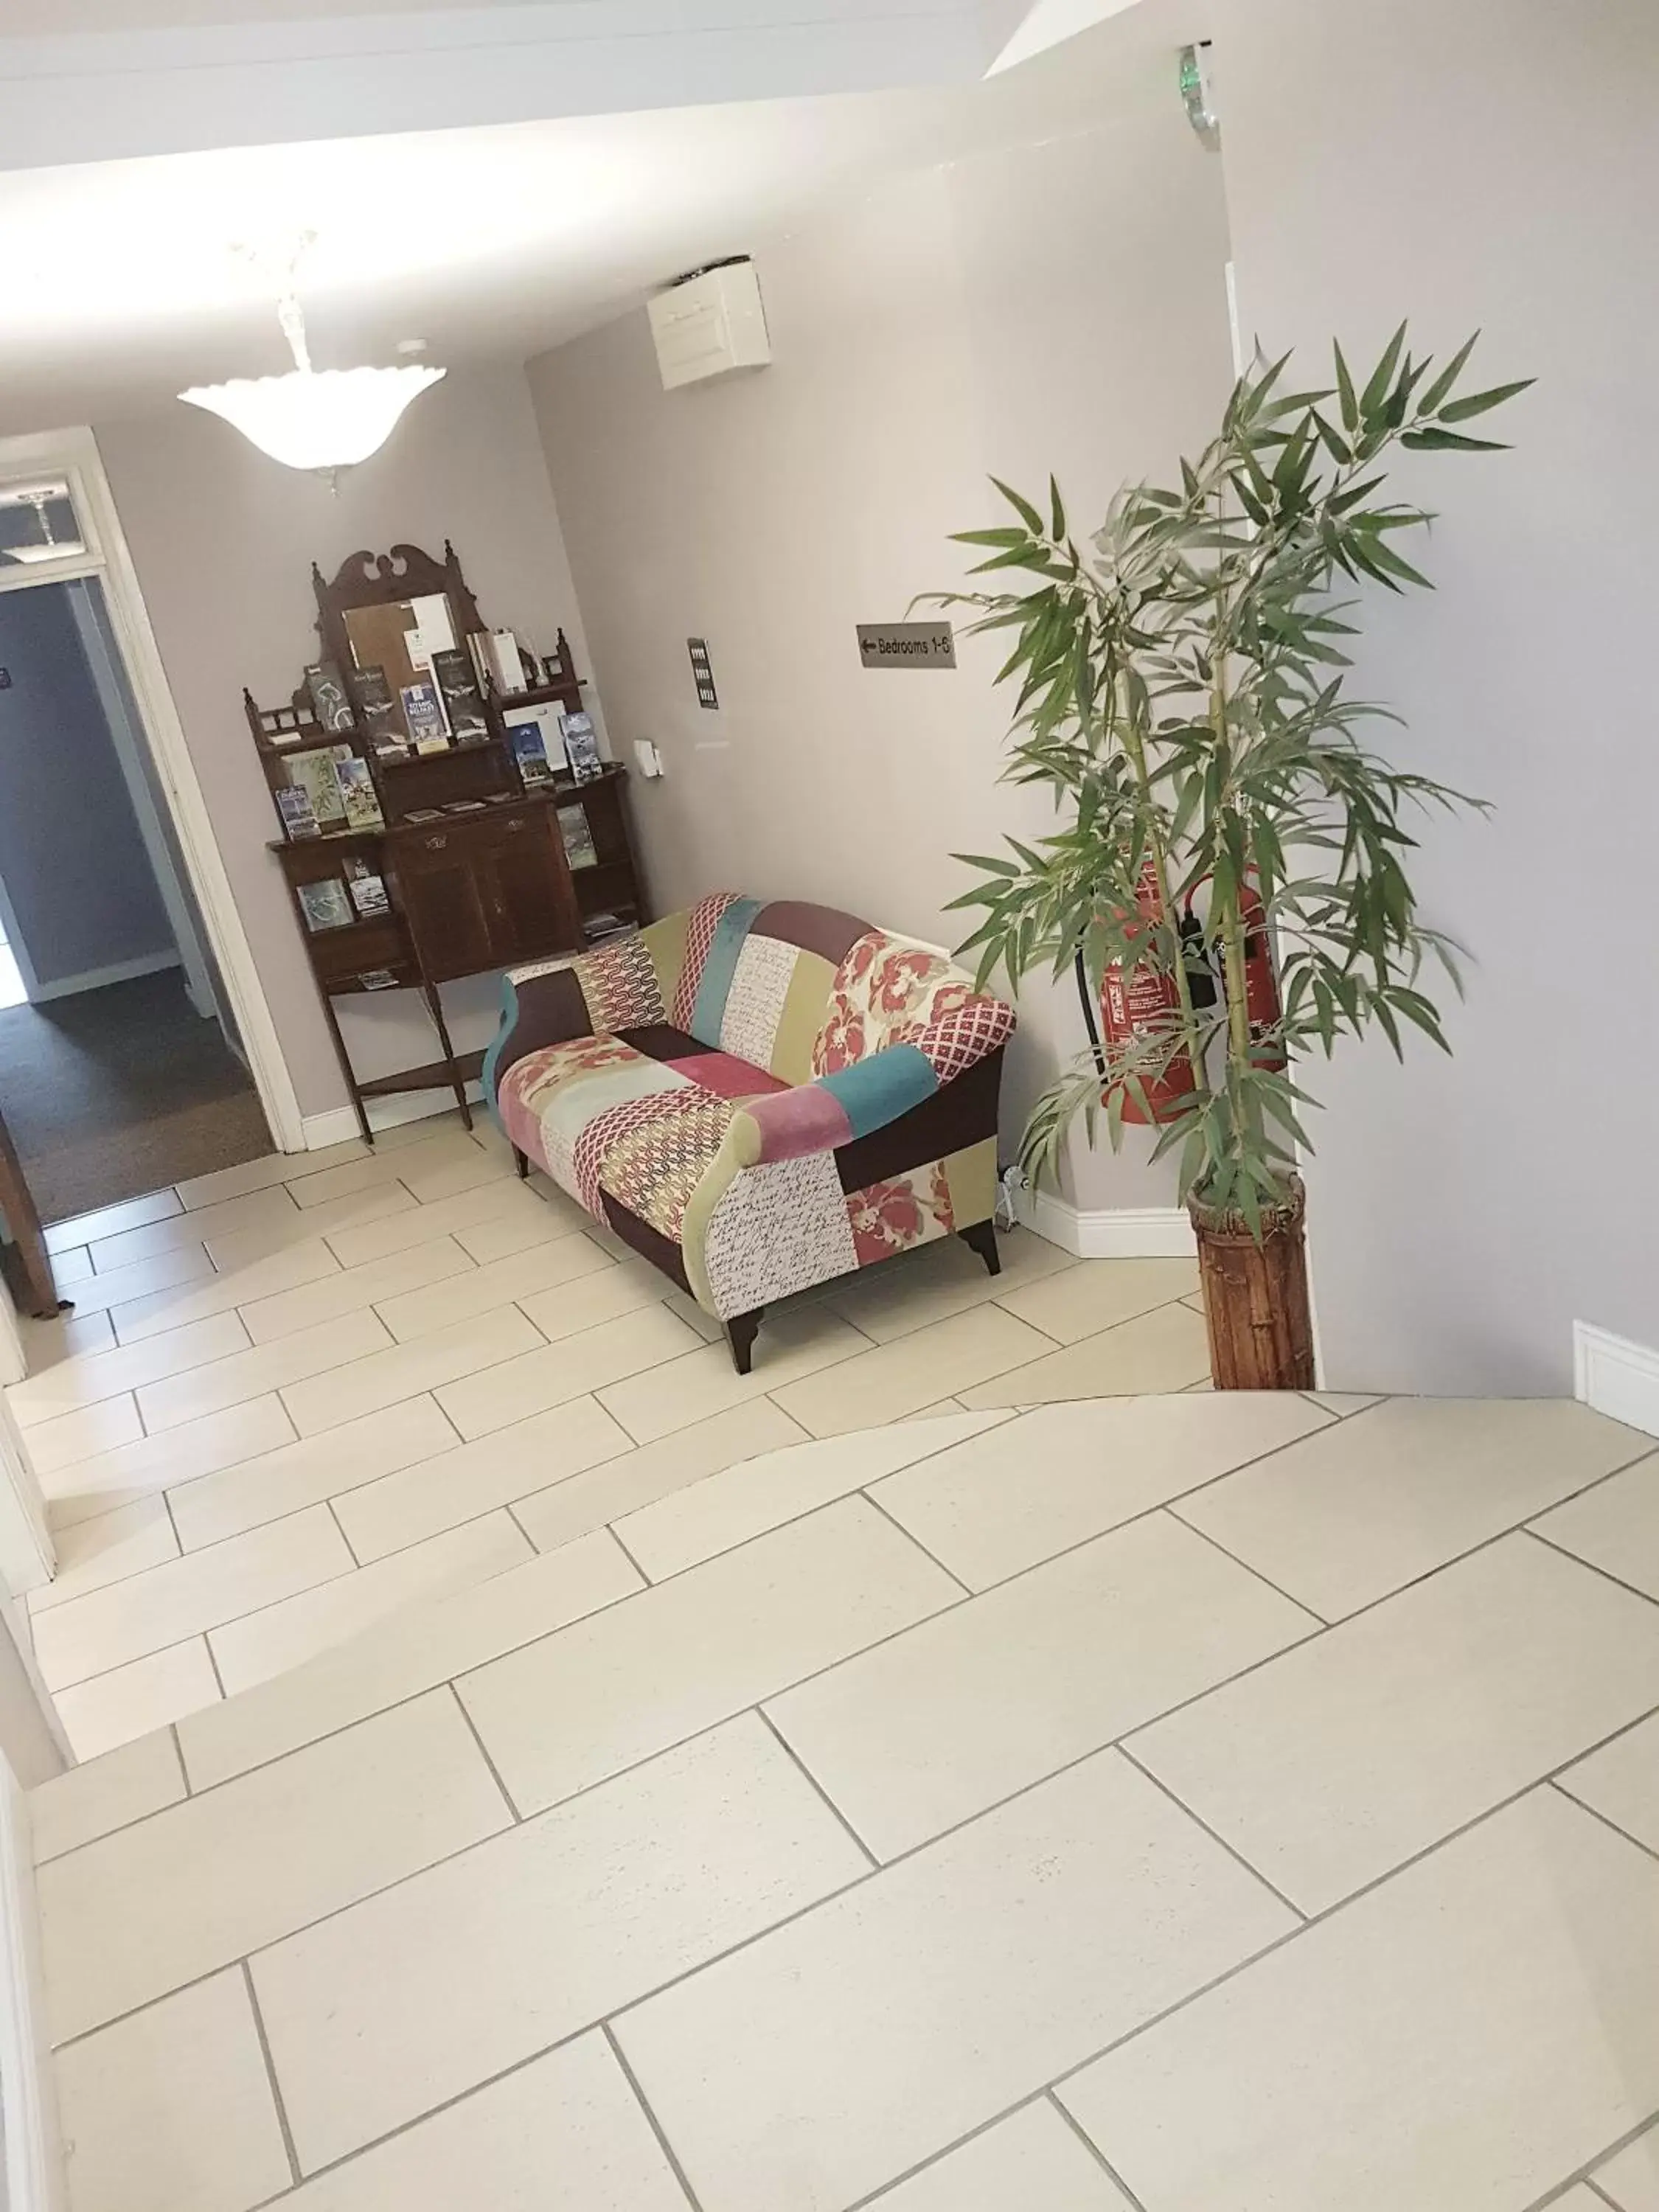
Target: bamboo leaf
<point x="1450" y="441"/>
<point x="1482" y="403"/>
<point x="1431" y="402"/>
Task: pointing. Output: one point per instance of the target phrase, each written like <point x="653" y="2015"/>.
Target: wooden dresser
<point x="482" y="879"/>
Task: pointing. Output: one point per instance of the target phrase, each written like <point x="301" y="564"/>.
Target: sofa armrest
<point x="541" y="1005"/>
<point x="856" y="1101"/>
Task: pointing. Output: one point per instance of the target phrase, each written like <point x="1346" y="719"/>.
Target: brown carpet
<point x="112" y="1093"/>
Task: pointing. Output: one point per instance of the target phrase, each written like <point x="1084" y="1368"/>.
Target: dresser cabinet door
<point x="479" y="895"/>
<point x="438" y="883"/>
<point x="525" y="885"/>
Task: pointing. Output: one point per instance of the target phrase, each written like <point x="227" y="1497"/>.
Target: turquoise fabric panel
<point x="873" y="1092"/>
<point x="492" y="1069"/>
<point x="719" y="968"/>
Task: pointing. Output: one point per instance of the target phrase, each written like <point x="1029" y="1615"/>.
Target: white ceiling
<point x="97" y="80"/>
<point x="119" y="284"/>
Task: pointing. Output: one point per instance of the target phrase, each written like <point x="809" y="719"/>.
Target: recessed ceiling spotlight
<point x="411" y="345"/>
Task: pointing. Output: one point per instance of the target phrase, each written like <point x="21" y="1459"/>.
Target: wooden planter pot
<point x="1256" y="1296"/>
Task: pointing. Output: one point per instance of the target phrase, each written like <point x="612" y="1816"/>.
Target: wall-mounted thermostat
<point x="700" y="670"/>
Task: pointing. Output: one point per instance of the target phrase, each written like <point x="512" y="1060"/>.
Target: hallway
<point x="111" y="1093"/>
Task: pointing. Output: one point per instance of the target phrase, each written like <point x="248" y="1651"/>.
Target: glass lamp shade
<point x="317" y="418"/>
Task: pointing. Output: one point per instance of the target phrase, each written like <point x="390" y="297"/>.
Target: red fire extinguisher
<point x="1140" y="1005"/>
<point x="1262" y="1000"/>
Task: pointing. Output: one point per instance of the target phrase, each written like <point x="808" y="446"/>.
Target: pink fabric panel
<point x="725" y="1075"/>
<point x="807" y="1119"/>
<point x="522" y="1128"/>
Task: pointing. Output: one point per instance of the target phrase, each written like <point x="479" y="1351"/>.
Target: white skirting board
<point x="1614" y="1377"/>
<point x="340" y="1123"/>
<point x="33" y="2150"/>
<point x="1145" y="1232"/>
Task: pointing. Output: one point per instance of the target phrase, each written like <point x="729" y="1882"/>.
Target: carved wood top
<point x="367" y="578"/>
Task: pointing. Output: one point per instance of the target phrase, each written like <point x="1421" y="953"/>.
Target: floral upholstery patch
<point x="883" y="987"/>
<point x="911" y="1209"/>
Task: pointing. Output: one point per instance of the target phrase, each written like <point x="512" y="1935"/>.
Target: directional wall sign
<point x="907" y="645"/>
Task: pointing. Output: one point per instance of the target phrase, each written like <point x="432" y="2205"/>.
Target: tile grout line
<point x="270" y="2073"/>
<point x="655" y="2124"/>
<point x="871" y="2200"/>
<point x="1094" y="2151"/>
<point x="1597" y="2190"/>
<point x="865" y="1491"/>
<point x="183" y="1776"/>
<point x="645" y="1578"/>
<point x="1173" y="1509"/>
<point x="815" y="1785"/>
<point x="1562" y="1552"/>
<point x="1314" y="1920"/>
<point x="1555" y="1782"/>
<point x="1198" y="1820"/>
<point x="340" y="1574"/>
<point x="339" y="1527"/>
<point x="1583" y="2173"/>
<point x="213" y="1662"/>
<point x="483" y="1753"/>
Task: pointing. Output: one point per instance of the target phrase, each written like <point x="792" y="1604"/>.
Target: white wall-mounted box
<point x="710" y="325"/>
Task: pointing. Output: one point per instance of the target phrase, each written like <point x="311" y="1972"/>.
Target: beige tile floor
<point x="300" y="1394"/>
<point x="1178" y="1803"/>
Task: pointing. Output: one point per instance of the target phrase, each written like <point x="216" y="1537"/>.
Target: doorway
<point x="121" y="1069"/>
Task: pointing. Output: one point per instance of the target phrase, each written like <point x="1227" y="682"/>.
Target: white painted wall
<point x="1491" y="164"/>
<point x="1060" y="304"/>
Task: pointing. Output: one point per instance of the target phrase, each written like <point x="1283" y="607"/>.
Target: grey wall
<point x="1491" y="163"/>
<point x="71" y="857"/>
<point x="1057" y="304"/>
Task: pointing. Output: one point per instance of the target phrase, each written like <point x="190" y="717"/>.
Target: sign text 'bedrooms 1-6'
<point x="907" y="645"/>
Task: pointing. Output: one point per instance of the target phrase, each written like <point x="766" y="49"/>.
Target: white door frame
<point x="106" y="682"/>
<point x="74" y="455"/>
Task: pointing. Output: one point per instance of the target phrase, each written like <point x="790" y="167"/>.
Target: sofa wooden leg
<point x="740" y="1334"/>
<point x="521" y="1161"/>
<point x="982" y="1239"/>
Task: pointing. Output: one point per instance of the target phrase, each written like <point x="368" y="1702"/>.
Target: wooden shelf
<point x="435" y="1075"/>
<point x="471" y="891"/>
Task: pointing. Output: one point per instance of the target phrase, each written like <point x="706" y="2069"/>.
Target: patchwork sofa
<point x="758" y="1098"/>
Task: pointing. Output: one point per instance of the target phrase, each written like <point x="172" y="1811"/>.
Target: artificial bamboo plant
<point x="1182" y="694"/>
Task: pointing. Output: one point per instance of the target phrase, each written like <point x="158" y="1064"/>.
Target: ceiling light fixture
<point x="41" y="499"/>
<point x="322" y="419"/>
